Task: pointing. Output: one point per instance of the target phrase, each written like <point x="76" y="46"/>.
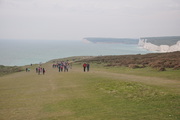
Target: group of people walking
<point x="62" y="66"/>
<point x="28" y="69"/>
<point x="40" y="70"/>
<point x="86" y="67"/>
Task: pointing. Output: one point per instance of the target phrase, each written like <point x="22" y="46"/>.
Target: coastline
<point x="161" y="44"/>
<point x="161" y="48"/>
<point x="18" y="53"/>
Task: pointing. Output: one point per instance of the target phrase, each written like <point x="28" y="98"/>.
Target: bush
<point x="7" y="69"/>
<point x="161" y="69"/>
<point x="133" y="66"/>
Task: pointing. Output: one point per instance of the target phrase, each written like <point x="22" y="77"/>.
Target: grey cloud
<point x="75" y="19"/>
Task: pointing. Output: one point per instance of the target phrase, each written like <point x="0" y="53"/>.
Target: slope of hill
<point x="155" y="60"/>
<point x="100" y="94"/>
<point x="9" y="69"/>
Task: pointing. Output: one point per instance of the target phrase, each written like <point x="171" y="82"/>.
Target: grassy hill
<point x="160" y="61"/>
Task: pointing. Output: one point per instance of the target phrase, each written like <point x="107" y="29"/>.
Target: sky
<point x="77" y="19"/>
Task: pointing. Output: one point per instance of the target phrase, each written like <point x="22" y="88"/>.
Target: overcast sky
<point x="76" y="19"/>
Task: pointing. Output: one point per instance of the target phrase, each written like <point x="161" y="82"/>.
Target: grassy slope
<point x="4" y="70"/>
<point x="101" y="94"/>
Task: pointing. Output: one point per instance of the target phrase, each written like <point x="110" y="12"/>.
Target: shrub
<point x="133" y="66"/>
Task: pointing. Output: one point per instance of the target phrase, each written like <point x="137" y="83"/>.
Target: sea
<point x="26" y="52"/>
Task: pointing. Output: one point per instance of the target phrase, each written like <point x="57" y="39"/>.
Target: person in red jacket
<point x="84" y="66"/>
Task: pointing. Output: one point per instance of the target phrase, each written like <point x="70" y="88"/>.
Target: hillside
<point x="160" y="61"/>
<point x="103" y="93"/>
<point x="9" y="69"/>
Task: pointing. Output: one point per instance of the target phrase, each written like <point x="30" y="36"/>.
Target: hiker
<point x="59" y="68"/>
<point x="65" y="67"/>
<point x="88" y="67"/>
<point x="36" y="70"/>
<point x="84" y="66"/>
<point x="39" y="71"/>
<point x="44" y="71"/>
<point x="27" y="69"/>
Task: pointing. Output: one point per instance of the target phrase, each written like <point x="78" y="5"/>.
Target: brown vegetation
<point x="161" y="61"/>
<point x="9" y="69"/>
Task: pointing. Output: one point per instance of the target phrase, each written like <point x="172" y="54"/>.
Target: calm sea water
<point x="25" y="52"/>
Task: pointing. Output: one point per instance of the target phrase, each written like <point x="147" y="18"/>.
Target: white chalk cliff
<point x="162" y="48"/>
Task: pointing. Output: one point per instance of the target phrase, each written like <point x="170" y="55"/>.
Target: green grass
<point x="150" y="72"/>
<point x="112" y="99"/>
<point x="101" y="94"/>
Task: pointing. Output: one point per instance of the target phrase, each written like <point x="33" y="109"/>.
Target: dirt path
<point x="172" y="85"/>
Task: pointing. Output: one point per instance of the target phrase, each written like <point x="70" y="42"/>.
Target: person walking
<point x="88" y="66"/>
<point x="44" y="71"/>
<point x="84" y="66"/>
<point x="39" y="71"/>
<point x="36" y="70"/>
<point x="59" y="68"/>
<point x="65" y="67"/>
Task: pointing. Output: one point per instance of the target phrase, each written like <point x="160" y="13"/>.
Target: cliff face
<point x="162" y="47"/>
